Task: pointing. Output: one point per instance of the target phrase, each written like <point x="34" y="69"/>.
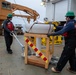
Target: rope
<point x="49" y="28"/>
<point x="31" y="27"/>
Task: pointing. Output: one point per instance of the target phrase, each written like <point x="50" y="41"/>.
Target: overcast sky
<point x="34" y="4"/>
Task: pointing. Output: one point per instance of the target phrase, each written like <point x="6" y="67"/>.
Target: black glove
<point x="48" y="35"/>
<point x="52" y="34"/>
<point x="11" y="33"/>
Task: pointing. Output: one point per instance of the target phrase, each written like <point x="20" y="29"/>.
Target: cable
<point x="20" y="13"/>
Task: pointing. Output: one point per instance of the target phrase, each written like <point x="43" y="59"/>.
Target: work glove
<point x="48" y="35"/>
<point x="11" y="33"/>
<point x="52" y="34"/>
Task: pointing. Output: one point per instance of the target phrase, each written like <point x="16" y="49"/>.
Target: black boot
<point x="9" y="51"/>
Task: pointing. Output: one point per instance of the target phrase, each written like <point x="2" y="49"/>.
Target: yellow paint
<point x="38" y="52"/>
<point x="33" y="47"/>
<point x="42" y="56"/>
<point x="29" y="42"/>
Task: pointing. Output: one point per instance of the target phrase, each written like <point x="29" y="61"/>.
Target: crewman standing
<point x="8" y="29"/>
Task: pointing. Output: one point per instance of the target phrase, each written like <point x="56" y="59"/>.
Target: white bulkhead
<point x="56" y="9"/>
